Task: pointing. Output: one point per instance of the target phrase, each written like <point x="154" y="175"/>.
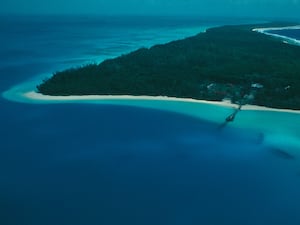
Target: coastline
<point x="286" y="40"/>
<point x="26" y="93"/>
<point x="34" y="96"/>
<point x="278" y="127"/>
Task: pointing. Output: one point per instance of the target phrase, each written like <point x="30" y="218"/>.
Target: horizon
<point x="212" y="8"/>
<point x="165" y="16"/>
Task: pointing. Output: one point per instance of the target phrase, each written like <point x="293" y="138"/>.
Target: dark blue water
<point x="94" y="164"/>
<point x="291" y="33"/>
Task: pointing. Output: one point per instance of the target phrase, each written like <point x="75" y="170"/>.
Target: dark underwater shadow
<point x="281" y="153"/>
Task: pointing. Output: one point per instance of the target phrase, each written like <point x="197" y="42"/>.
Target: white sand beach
<point x="25" y="93"/>
<point x="38" y="96"/>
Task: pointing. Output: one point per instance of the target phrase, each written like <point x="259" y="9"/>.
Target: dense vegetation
<point x="222" y="63"/>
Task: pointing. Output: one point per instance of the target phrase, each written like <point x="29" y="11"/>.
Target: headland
<point x="228" y="62"/>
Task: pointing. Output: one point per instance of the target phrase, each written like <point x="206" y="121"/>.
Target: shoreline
<point x="256" y="119"/>
<point x="29" y="95"/>
<point x="286" y="40"/>
<point x="32" y="95"/>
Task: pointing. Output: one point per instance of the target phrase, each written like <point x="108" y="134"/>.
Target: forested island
<point x="228" y="62"/>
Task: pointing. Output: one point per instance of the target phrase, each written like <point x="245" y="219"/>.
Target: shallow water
<point x="116" y="163"/>
<point x="123" y="165"/>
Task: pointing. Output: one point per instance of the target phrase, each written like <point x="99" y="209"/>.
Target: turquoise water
<point x="133" y="161"/>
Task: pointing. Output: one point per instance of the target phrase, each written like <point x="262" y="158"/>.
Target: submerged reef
<point x="281" y="153"/>
<point x="228" y="62"/>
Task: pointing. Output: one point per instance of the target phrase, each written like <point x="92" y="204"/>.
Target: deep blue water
<point x="105" y="164"/>
<point x="34" y="45"/>
<point x="291" y="33"/>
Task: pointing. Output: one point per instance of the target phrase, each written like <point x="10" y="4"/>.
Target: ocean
<point x="291" y="33"/>
<point x="133" y="162"/>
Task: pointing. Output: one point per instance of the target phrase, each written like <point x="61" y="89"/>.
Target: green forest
<point x="231" y="62"/>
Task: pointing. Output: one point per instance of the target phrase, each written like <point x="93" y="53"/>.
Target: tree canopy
<point x="223" y="62"/>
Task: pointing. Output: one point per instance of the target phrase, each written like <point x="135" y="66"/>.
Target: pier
<point x="231" y="117"/>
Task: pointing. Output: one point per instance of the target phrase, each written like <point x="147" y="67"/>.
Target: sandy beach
<point x="47" y="98"/>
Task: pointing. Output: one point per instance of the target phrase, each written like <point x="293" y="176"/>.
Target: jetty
<point x="231" y="117"/>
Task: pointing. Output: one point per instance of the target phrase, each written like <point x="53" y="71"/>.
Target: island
<point x="229" y="62"/>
